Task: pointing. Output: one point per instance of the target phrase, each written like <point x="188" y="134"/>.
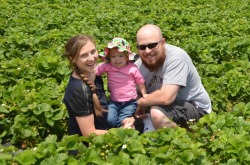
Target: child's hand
<point x="133" y="56"/>
<point x="128" y="122"/>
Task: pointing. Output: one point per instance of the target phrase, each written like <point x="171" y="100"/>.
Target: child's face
<point x="118" y="59"/>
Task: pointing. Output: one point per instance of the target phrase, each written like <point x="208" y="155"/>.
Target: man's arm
<point x="164" y="96"/>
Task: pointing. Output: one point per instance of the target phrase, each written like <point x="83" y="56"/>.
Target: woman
<point x="81" y="98"/>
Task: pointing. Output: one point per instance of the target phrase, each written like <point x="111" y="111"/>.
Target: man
<point x="175" y="92"/>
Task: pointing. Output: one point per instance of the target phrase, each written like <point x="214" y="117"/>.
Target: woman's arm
<point x="86" y="125"/>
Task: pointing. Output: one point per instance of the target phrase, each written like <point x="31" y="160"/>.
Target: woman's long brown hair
<point x="72" y="50"/>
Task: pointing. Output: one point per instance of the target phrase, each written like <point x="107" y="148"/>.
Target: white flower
<point x="124" y="146"/>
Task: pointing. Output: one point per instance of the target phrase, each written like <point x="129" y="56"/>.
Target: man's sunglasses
<point x="150" y="46"/>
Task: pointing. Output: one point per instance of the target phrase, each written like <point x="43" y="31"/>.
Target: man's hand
<point x="140" y="112"/>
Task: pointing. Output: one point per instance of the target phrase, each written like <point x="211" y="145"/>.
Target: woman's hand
<point x="104" y="110"/>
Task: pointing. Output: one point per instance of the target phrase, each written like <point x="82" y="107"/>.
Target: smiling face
<point x="87" y="58"/>
<point x="152" y="57"/>
<point x="118" y="59"/>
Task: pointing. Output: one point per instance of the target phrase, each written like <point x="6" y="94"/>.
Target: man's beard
<point x="159" y="62"/>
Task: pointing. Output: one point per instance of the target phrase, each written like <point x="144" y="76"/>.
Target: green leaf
<point x="5" y="156"/>
<point x="26" y="132"/>
<point x="51" y="139"/>
<point x="142" y="159"/>
<point x="187" y="156"/>
<point x="4" y="110"/>
<point x="26" y="157"/>
<point x="232" y="162"/>
<point x="244" y="155"/>
<point x="69" y="142"/>
<point x="3" y="134"/>
<point x="50" y="122"/>
<point x="58" y="115"/>
<point x="72" y="161"/>
<point x="60" y="158"/>
<point x="3" y="162"/>
<point x="91" y="157"/>
<point x="44" y="107"/>
<point x="135" y="146"/>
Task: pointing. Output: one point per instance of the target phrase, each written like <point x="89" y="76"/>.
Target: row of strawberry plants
<point x="216" y="139"/>
<point x="30" y="26"/>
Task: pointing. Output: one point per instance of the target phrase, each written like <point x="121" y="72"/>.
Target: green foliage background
<point x="34" y="73"/>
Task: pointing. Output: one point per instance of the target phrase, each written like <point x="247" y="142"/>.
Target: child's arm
<point x="142" y="89"/>
<point x="100" y="68"/>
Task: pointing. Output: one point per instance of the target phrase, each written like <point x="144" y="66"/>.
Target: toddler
<point x="123" y="76"/>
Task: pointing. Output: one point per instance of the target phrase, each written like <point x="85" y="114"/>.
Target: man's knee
<point x="160" y="120"/>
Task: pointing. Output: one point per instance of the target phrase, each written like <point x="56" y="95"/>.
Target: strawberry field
<point x="34" y="74"/>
